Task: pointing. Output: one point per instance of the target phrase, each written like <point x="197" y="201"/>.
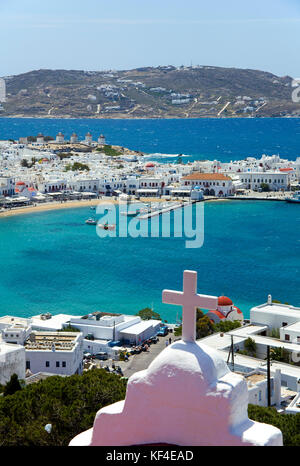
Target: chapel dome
<point x="224" y="301"/>
<point x="180" y="373"/>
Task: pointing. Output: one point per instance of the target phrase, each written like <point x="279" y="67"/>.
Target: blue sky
<point x="124" y="34"/>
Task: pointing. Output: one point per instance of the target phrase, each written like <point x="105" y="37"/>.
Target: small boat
<point x="295" y="198"/>
<point x="106" y="226"/>
<point x="93" y="208"/>
<point x="91" y="221"/>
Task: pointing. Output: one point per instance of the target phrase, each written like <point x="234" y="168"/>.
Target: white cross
<point x="189" y="300"/>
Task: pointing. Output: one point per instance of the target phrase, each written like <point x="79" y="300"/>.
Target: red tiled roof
<point x="224" y="301"/>
<point x="207" y="176"/>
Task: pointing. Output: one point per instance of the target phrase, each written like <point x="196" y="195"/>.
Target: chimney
<point x="269" y="299"/>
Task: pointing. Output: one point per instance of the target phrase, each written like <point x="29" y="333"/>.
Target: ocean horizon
<point x="223" y="139"/>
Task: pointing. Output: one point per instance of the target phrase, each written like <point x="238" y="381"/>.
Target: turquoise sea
<point x="52" y="261"/>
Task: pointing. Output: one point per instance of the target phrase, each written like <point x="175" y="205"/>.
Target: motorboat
<point x="91" y="221"/>
<point x="295" y="198"/>
<point x="106" y="226"/>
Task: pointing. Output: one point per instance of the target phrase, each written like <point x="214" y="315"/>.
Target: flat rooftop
<point x="46" y="341"/>
<point x="282" y="309"/>
<point x="9" y="320"/>
<point x="55" y="322"/>
<point x="140" y="327"/>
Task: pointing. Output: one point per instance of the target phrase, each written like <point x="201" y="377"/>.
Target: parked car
<point x="163" y="332"/>
<point x="102" y="356"/>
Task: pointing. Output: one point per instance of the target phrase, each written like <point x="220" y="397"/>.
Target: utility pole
<point x="269" y="375"/>
<point x="231" y="352"/>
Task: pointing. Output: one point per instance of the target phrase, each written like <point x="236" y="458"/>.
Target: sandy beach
<point x="65" y="205"/>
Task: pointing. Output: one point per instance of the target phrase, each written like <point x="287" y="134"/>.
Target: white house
<point x="16" y="333"/>
<point x="258" y="387"/>
<point x="275" y="315"/>
<point x="7" y="186"/>
<point x="213" y="184"/>
<point x="103" y="329"/>
<point x="12" y="361"/>
<point x="275" y="180"/>
<point x="54" y="352"/>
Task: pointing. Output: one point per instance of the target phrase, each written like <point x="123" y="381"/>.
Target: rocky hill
<point x="162" y="92"/>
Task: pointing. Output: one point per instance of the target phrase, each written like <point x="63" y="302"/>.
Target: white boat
<point x="105" y="226"/>
<point x="295" y="198"/>
<point x="91" y="221"/>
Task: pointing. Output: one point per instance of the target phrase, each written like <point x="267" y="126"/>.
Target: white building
<point x="88" y="138"/>
<point x="101" y="139"/>
<point x="74" y="138"/>
<point x="55" y="352"/>
<point x="7" y="186"/>
<point x="275" y="180"/>
<point x="12" y="361"/>
<point x="275" y="315"/>
<point x="16" y="333"/>
<point x="103" y="329"/>
<point x="60" y="139"/>
<point x="213" y="184"/>
<point x="257" y="383"/>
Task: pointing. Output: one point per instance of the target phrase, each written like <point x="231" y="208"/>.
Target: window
<point x="57" y="363"/>
<point x="47" y="364"/>
<point x="287" y="337"/>
<point x="259" y="395"/>
<point x="64" y="363"/>
<point x="27" y="365"/>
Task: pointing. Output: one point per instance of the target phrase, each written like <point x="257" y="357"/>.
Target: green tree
<point x="68" y="403"/>
<point x="280" y="354"/>
<point x="12" y="386"/>
<point x="250" y="346"/>
<point x="265" y="187"/>
<point x="226" y="326"/>
<point x="204" y="326"/>
<point x="147" y="313"/>
<point x="24" y="163"/>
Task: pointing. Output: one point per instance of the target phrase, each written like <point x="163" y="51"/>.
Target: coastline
<point x="65" y="205"/>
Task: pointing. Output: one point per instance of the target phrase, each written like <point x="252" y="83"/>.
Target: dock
<point x="158" y="212"/>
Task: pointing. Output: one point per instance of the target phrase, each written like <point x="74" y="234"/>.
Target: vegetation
<point x="275" y="333"/>
<point x="69" y="328"/>
<point x="280" y="354"/>
<point x="77" y="166"/>
<point x="25" y="163"/>
<point x="249" y="348"/>
<point x="12" y="386"/>
<point x="109" y="150"/>
<point x="205" y="327"/>
<point x="289" y="424"/>
<point x="68" y="403"/>
<point x="265" y="187"/>
<point x="64" y="155"/>
<point x="226" y="326"/>
<point x="148" y="313"/>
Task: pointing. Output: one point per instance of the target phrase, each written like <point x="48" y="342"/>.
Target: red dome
<point x="224" y="301"/>
<point x="20" y="183"/>
<point x="149" y="164"/>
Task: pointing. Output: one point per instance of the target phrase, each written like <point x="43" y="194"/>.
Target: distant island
<point x="161" y="92"/>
